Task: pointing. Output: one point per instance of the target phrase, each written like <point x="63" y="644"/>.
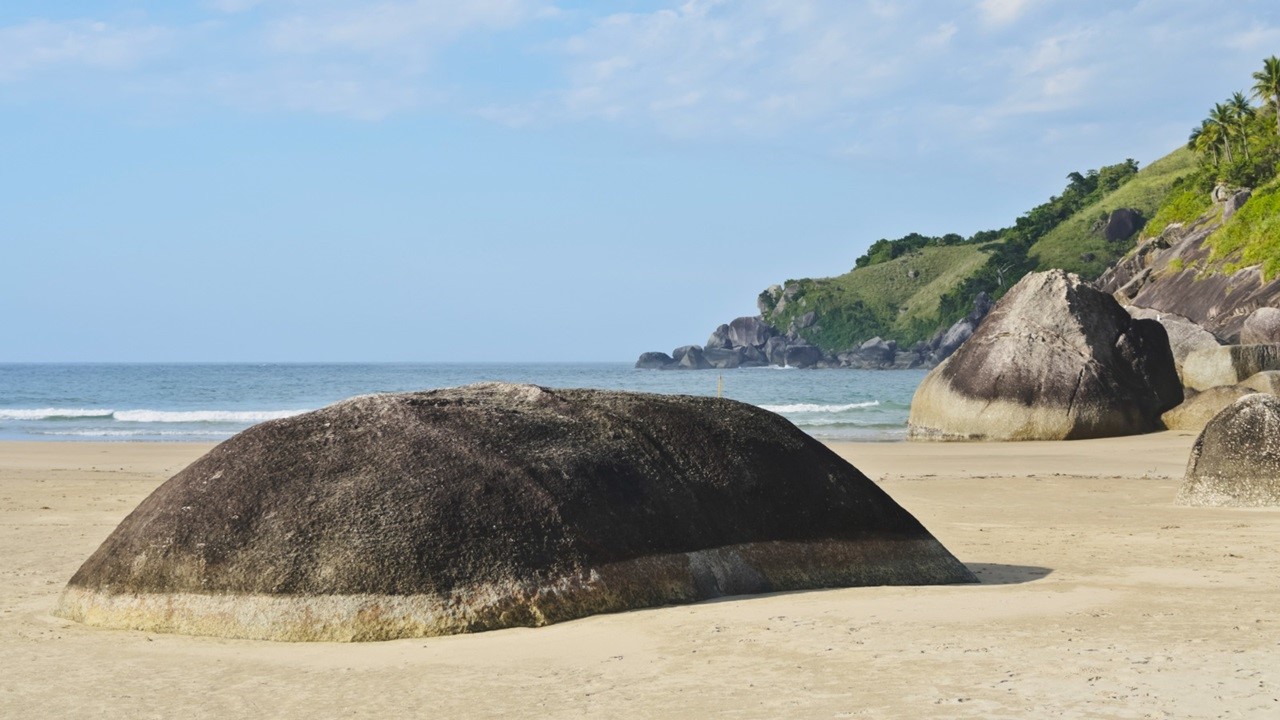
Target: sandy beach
<point x="1100" y="598"/>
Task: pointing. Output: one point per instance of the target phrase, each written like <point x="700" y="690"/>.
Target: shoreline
<point x="1099" y="597"/>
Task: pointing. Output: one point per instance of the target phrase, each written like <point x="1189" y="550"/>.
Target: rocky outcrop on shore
<point x="1055" y="360"/>
<point x="1175" y="273"/>
<point x="753" y="342"/>
<point x="1236" y="460"/>
<point x="493" y="506"/>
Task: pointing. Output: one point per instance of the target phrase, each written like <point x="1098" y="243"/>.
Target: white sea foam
<point x="53" y="413"/>
<point x="134" y="433"/>
<point x="812" y="408"/>
<point x="202" y="416"/>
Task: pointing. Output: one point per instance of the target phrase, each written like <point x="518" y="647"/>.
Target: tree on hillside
<point x="1267" y="85"/>
<point x="1223" y="119"/>
<point x="1242" y="112"/>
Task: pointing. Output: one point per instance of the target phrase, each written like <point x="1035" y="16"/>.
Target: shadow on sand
<point x="997" y="574"/>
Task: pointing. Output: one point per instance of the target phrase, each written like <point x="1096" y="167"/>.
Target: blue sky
<point x="274" y="180"/>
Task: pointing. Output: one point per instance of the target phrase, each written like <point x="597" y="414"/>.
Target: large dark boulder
<point x="494" y="506"/>
<point x="775" y="351"/>
<point x="719" y="338"/>
<point x="690" y="357"/>
<point x="1236" y="460"/>
<point x="724" y="358"/>
<point x="1055" y="360"/>
<point x="654" y="361"/>
<point x="750" y="332"/>
<point x="1185" y="337"/>
<point x="877" y="352"/>
<point x="803" y="356"/>
<point x="1122" y="224"/>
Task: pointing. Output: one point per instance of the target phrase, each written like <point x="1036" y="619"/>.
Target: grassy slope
<point x="1065" y="244"/>
<point x="889" y="289"/>
<point x="1252" y="235"/>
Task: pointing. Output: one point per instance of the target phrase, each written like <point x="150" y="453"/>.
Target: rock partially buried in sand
<point x="1236" y="460"/>
<point x="1199" y="408"/>
<point x="494" y="506"/>
<point x="1055" y="360"/>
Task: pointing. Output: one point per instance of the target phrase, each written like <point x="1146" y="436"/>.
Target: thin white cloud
<point x="753" y="66"/>
<point x="393" y="27"/>
<point x="39" y="45"/>
<point x="1001" y="12"/>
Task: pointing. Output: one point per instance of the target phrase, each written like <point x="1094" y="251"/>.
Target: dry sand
<point x="1100" y="599"/>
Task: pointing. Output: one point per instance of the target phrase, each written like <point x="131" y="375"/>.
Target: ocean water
<point x="210" y="402"/>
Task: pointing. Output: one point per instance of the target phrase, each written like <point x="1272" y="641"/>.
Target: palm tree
<point x="1242" y="112"/>
<point x="1267" y="85"/>
<point x="1222" y="118"/>
<point x="1204" y="139"/>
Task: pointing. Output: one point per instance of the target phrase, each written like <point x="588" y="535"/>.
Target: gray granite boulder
<point x="1228" y="364"/>
<point x="750" y="332"/>
<point x="494" y="506"/>
<point x="724" y="358"/>
<point x="1236" y="460"/>
<point x="1055" y="360"/>
<point x="1185" y="337"/>
<point x="655" y="361"/>
<point x="690" y="357"/>
<point x="1262" y="327"/>
<point x="803" y="356"/>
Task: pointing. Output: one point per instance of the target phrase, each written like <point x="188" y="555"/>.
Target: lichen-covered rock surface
<point x="1236" y="460"/>
<point x="494" y="506"/>
<point x="1055" y="360"/>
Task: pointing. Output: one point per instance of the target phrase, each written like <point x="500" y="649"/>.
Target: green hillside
<point x="1077" y="243"/>
<point x="897" y="298"/>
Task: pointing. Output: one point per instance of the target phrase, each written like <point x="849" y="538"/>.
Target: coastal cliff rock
<point x="494" y="506"/>
<point x="1176" y="272"/>
<point x="1236" y="460"/>
<point x="1055" y="360"/>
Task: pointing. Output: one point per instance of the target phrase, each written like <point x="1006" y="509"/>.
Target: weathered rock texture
<point x="1199" y="408"/>
<point x="1267" y="381"/>
<point x="1262" y="327"/>
<point x="1185" y="337"/>
<point x="1228" y="365"/>
<point x="1205" y="290"/>
<point x="1055" y="360"/>
<point x="1236" y="460"/>
<point x="494" y="506"/>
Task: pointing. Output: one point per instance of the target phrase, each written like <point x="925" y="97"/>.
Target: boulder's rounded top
<point x="1236" y="458"/>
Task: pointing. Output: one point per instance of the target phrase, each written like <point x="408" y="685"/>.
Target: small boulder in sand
<point x="1055" y="360"/>
<point x="1200" y="407"/>
<point x="1236" y="460"/>
<point x="494" y="506"/>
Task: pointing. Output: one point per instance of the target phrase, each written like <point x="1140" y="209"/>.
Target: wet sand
<point x="1100" y="598"/>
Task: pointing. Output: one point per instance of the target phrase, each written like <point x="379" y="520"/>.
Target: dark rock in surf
<point x="654" y="361"/>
